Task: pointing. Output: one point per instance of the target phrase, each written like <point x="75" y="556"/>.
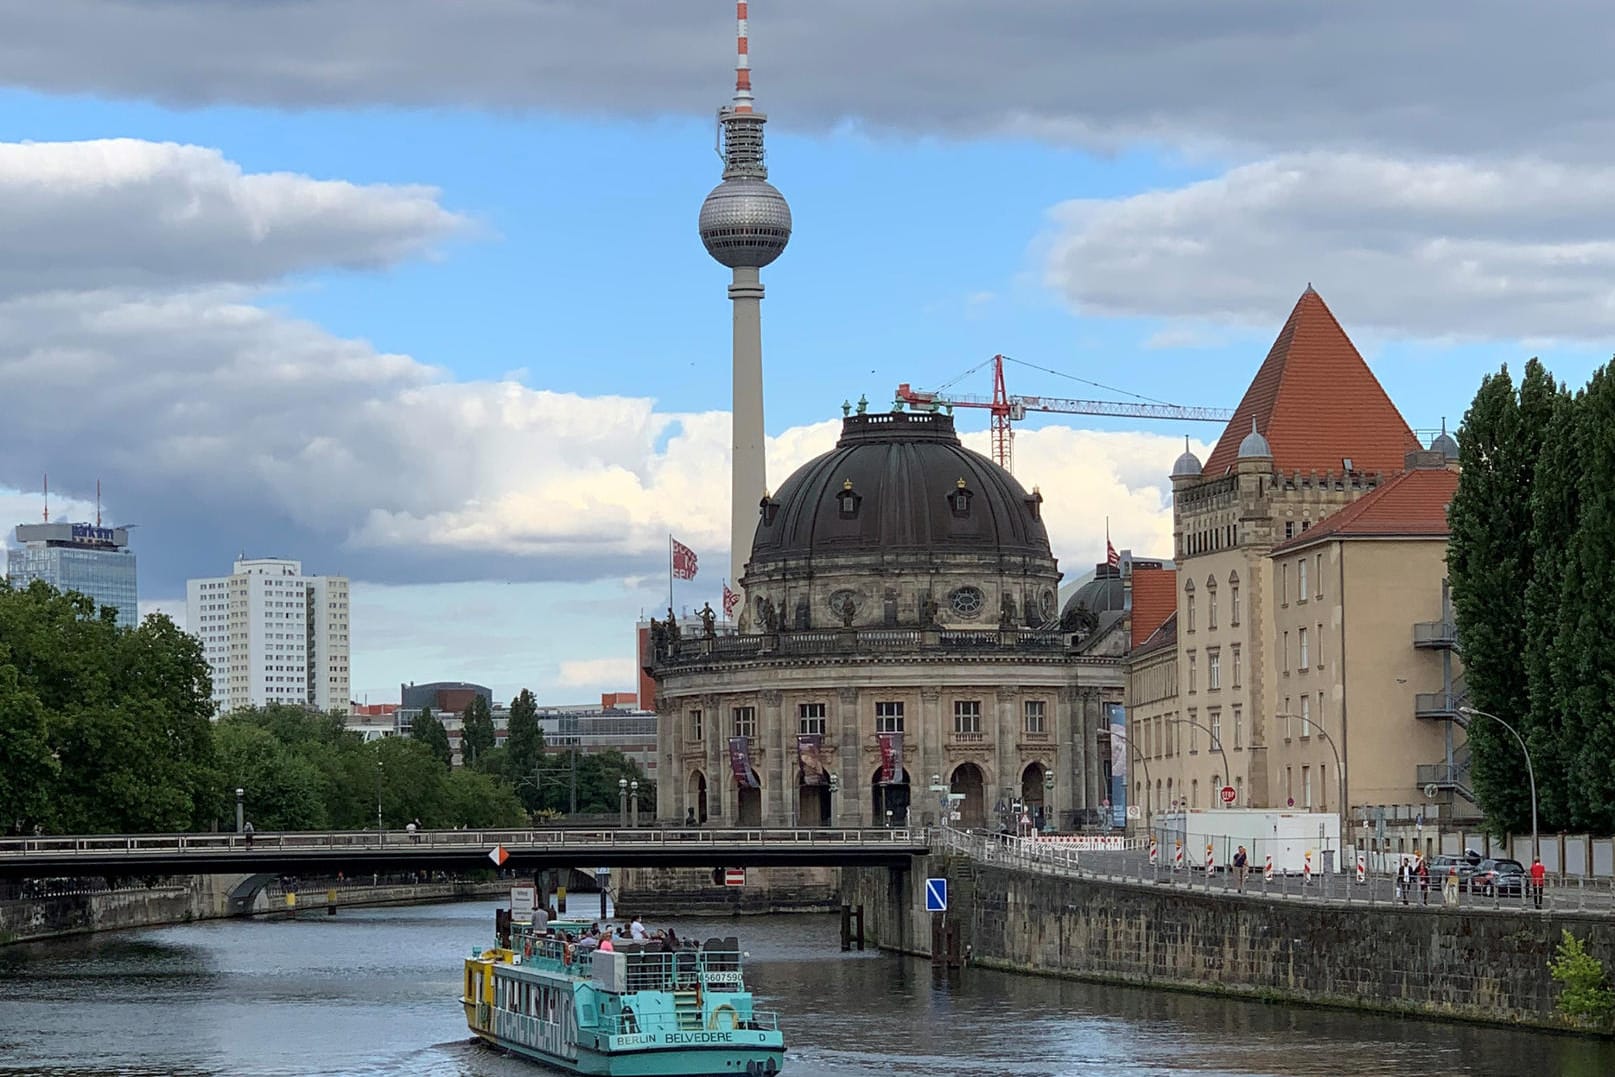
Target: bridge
<point x="354" y="852"/>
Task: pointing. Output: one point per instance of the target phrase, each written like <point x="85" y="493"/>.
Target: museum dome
<point x="899" y="483"/>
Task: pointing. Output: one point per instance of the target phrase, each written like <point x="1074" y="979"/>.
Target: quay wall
<point x="1469" y="964"/>
<point x="664" y="892"/>
<point x="202" y="897"/>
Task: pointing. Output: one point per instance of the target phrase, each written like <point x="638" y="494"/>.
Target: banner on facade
<point x="810" y="759"/>
<point x="740" y="762"/>
<point x="1116" y="723"/>
<point x="891" y="757"/>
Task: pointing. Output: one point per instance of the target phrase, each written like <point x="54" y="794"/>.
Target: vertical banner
<point x="740" y="762"/>
<point x="810" y="760"/>
<point x="891" y="757"/>
<point x="1116" y="717"/>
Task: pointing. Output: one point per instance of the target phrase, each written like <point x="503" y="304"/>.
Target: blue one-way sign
<point x="936" y="895"/>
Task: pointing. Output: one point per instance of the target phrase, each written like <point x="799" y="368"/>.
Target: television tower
<point x="745" y="224"/>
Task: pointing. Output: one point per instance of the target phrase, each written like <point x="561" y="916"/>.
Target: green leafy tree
<point x="524" y="739"/>
<point x="475" y="799"/>
<point x="427" y="729"/>
<point x="28" y="771"/>
<point x="1488" y="559"/>
<point x="1584" y="997"/>
<point x="477" y="733"/>
<point x="411" y="781"/>
<point x="283" y="789"/>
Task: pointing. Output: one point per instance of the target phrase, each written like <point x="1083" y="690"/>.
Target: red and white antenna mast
<point x="742" y="59"/>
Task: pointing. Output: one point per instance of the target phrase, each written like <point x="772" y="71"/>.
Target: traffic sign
<point x="936" y="895"/>
<point x="1228" y="794"/>
<point x="498" y="855"/>
<point x="734" y="876"/>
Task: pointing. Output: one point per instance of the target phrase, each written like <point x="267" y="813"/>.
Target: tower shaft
<point x="748" y="477"/>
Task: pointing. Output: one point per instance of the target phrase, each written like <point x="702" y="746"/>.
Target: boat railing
<point x="622" y="1024"/>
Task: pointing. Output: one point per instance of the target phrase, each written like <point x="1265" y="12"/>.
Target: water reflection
<point x="374" y="992"/>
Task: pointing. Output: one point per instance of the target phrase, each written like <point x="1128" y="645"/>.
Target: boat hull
<point x="718" y="1053"/>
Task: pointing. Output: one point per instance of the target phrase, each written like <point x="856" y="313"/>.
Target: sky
<point x="412" y="291"/>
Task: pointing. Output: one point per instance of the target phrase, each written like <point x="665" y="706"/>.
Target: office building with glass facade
<point x="95" y="561"/>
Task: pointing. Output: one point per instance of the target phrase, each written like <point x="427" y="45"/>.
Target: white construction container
<point x="1286" y="836"/>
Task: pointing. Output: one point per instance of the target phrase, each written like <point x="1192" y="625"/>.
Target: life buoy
<point x="719" y="1010"/>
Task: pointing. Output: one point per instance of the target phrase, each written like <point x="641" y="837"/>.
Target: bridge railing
<point x="67" y="846"/>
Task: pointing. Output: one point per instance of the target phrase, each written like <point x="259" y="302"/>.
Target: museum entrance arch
<point x="968" y="779"/>
<point x="1033" y="795"/>
<point x="886" y="797"/>
<point x="696" y="797"/>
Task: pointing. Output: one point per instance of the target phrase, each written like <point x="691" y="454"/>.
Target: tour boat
<point x="639" y="1011"/>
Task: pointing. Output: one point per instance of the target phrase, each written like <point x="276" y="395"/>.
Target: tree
<point x="477" y="733"/>
<point x="411" y="781"/>
<point x="524" y="739"/>
<point x="427" y="729"/>
<point x="475" y="799"/>
<point x="1488" y="559"/>
<point x="28" y="771"/>
<point x="283" y="790"/>
<point x="1585" y="997"/>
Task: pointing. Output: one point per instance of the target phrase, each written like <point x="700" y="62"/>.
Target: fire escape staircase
<point x="1445" y="706"/>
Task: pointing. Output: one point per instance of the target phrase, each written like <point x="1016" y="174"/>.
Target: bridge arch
<point x="969" y="779"/>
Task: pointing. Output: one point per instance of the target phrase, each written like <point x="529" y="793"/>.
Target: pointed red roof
<point x="1317" y="403"/>
<point x="1412" y="505"/>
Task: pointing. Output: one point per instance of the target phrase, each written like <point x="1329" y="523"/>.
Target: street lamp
<point x="622" y="802"/>
<point x="1216" y="742"/>
<point x="241" y="811"/>
<point x="378" y="800"/>
<point x="1530" y="772"/>
<point x="1340" y="769"/>
<point x="633" y="801"/>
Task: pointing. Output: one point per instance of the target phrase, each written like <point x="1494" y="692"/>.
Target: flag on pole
<point x="731" y="599"/>
<point x="684" y="560"/>
<point x="1112" y="558"/>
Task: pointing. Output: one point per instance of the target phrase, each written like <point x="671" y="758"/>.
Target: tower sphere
<point x="745" y="223"/>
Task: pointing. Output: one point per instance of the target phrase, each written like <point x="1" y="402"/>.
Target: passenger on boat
<point x="605" y="943"/>
<point x="636" y="930"/>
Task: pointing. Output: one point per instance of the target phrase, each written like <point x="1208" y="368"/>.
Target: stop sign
<point x="1228" y="794"/>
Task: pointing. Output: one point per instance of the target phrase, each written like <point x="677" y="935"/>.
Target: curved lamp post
<point x="622" y="803"/>
<point x="1340" y="770"/>
<point x="1216" y="742"/>
<point x="1149" y="786"/>
<point x="1530" y="772"/>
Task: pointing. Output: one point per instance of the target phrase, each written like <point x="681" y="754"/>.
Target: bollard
<point x="330" y="902"/>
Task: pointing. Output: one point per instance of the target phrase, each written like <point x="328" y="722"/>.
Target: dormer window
<point x="959" y="500"/>
<point x="848" y="500"/>
<point x="768" y="508"/>
<point x="1035" y="503"/>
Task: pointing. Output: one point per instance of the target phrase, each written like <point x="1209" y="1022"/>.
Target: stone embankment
<point x="1472" y="963"/>
<point x="205" y="897"/>
<point x="664" y="892"/>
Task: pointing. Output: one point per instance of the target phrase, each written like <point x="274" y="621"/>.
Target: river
<point x="375" y="992"/>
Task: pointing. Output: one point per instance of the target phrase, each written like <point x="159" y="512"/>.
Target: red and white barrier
<point x="1155" y="853"/>
<point x="1267" y="869"/>
<point x="1362" y="868"/>
<point x="1177" y="856"/>
<point x="1306" y="867"/>
<point x="1209" y="862"/>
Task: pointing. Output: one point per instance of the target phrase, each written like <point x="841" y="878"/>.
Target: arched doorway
<point x="886" y="797"/>
<point x="695" y="797"/>
<point x="812" y="805"/>
<point x="1033" y="794"/>
<point x="749" y="803"/>
<point x="968" y="779"/>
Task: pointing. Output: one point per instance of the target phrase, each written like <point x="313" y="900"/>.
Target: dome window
<point x="848" y="500"/>
<point x="967" y="601"/>
<point x="959" y="500"/>
<point x="768" y="508"/>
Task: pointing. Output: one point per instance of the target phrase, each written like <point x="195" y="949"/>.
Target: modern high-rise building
<point x="94" y="561"/>
<point x="745" y="224"/>
<point x="273" y="635"/>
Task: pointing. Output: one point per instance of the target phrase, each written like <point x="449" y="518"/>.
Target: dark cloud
<point x="1459" y="76"/>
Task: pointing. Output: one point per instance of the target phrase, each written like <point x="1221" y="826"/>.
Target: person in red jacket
<point x="1539" y="876"/>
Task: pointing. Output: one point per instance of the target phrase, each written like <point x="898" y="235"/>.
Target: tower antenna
<point x="47" y="497"/>
<point x="97" y="502"/>
<point x="742" y="59"/>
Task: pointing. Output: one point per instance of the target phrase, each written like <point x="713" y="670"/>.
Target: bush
<point x="1584" y="998"/>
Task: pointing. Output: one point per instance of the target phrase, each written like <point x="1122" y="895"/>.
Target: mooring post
<point x="846" y="928"/>
<point x="330" y="902"/>
<point x="860" y="915"/>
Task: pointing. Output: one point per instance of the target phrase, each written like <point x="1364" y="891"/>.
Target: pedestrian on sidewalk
<point x="1424" y="880"/>
<point x="1241" y="865"/>
<point x="1404" y="880"/>
<point x="1539" y="877"/>
<point x="247" y="830"/>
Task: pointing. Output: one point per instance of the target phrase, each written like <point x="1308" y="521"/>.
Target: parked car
<point x="1498" y="876"/>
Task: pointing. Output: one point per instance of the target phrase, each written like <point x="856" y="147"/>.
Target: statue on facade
<point x="804" y="616"/>
<point x="709" y="621"/>
<point x="770" y="616"/>
<point x="658" y="637"/>
<point x="672" y="627"/>
<point x="1006" y="611"/>
<point x="927" y="612"/>
<point x="848" y="609"/>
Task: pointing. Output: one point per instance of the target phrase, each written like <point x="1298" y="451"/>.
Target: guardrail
<point x="67" y="846"/>
<point x="1377" y="888"/>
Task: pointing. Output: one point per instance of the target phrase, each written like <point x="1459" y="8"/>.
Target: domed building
<point x="903" y="627"/>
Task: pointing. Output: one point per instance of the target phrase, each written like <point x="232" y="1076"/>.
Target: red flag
<point x="731" y="599"/>
<point x="684" y="562"/>
<point x="1112" y="558"/>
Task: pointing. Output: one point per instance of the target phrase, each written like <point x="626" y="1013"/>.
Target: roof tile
<point x="1155" y="597"/>
<point x="1317" y="403"/>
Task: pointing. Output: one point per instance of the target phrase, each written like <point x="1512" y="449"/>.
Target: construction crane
<point x="1008" y="409"/>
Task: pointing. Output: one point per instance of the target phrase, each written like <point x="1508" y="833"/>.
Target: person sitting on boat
<point x="636" y="930"/>
<point x="672" y="940"/>
<point x="605" y="942"/>
<point x="589" y="940"/>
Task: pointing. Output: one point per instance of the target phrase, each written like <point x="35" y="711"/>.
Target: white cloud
<point x="594" y="673"/>
<point x="1434" y="249"/>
